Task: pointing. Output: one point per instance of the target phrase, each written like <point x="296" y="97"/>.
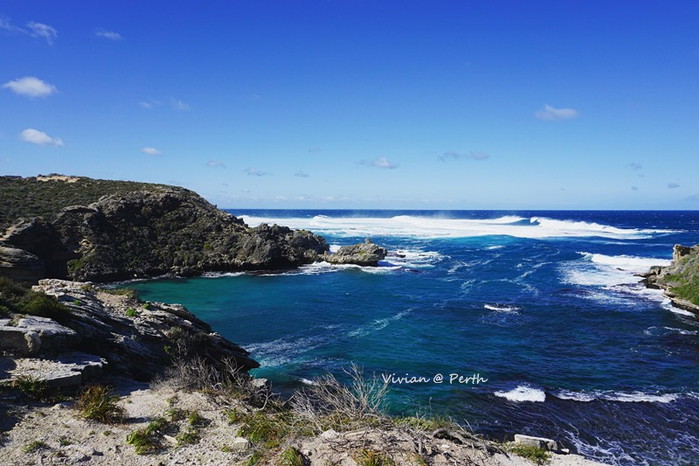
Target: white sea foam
<point x="669" y="330"/>
<point x="440" y="227"/>
<point x="604" y="270"/>
<point x="376" y="325"/>
<point x="624" y="397"/>
<point x="501" y="308"/>
<point x="523" y="393"/>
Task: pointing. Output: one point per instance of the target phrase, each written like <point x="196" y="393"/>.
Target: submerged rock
<point x="365" y="254"/>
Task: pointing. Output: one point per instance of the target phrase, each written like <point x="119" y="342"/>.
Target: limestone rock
<point x="681" y="274"/>
<point x="240" y="444"/>
<point x="20" y="265"/>
<point x="539" y="442"/>
<point x="31" y="335"/>
<point x="70" y="370"/>
<point x="365" y="254"/>
<point x="139" y="347"/>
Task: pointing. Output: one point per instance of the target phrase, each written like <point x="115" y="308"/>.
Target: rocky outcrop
<point x="135" y="339"/>
<point x="679" y="280"/>
<point x="365" y="254"/>
<point x="150" y="231"/>
<point x="20" y="265"/>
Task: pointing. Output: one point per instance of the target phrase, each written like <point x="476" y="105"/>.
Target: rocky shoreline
<point x="110" y="337"/>
<point x="679" y="280"/>
<point x="144" y="230"/>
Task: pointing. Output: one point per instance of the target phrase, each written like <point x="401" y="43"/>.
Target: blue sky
<point x="360" y="104"/>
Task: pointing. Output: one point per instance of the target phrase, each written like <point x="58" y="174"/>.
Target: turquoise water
<point x="541" y="308"/>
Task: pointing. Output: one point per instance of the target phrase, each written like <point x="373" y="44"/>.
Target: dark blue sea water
<point x="544" y="305"/>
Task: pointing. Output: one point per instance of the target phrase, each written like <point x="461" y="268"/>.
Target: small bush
<point x="97" y="402"/>
<point x="188" y="437"/>
<point x="268" y="430"/>
<point x="292" y="457"/>
<point x="34" y="445"/>
<point x="536" y="454"/>
<point x="131" y="312"/>
<point x="256" y="458"/>
<point x="31" y="386"/>
<point x="373" y="458"/>
<point x="20" y="299"/>
<point x="148" y="440"/>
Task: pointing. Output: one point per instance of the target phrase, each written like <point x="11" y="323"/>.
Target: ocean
<point x="509" y="322"/>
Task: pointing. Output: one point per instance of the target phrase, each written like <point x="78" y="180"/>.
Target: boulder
<point x="365" y="254"/>
<point x="20" y="265"/>
<point x="70" y="370"/>
<point x="539" y="442"/>
<point x="32" y="335"/>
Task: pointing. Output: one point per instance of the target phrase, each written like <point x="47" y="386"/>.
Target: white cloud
<point x="255" y="172"/>
<point x="104" y="34"/>
<point x="151" y="151"/>
<point x="215" y="164"/>
<point x="672" y="185"/>
<point x="31" y="87"/>
<point x="6" y="25"/>
<point x="473" y="155"/>
<point x="42" y="31"/>
<point x="38" y="137"/>
<point x="550" y="113"/>
<point x="379" y="162"/>
<point x="150" y="103"/>
<point x="178" y="104"/>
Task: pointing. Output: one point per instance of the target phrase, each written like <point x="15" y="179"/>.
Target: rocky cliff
<point x="680" y="279"/>
<point x="69" y="228"/>
<point x="76" y="330"/>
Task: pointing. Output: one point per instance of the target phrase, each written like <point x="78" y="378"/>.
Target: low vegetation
<point x="16" y="298"/>
<point x="150" y="438"/>
<point x="537" y="455"/>
<point x="373" y="458"/>
<point x="35" y="445"/>
<point x="99" y="403"/>
<point x="31" y="387"/>
<point x="30" y="197"/>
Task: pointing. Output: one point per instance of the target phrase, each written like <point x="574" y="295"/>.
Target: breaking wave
<point x="439" y="227"/>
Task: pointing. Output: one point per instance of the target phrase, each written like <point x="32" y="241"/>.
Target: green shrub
<point x="31" y="386"/>
<point x="267" y="429"/>
<point x="292" y="457"/>
<point x="97" y="402"/>
<point x="373" y="458"/>
<point x="149" y="439"/>
<point x="34" y="445"/>
<point x="131" y="312"/>
<point x="188" y="437"/>
<point x="20" y="299"/>
<point x="536" y="454"/>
